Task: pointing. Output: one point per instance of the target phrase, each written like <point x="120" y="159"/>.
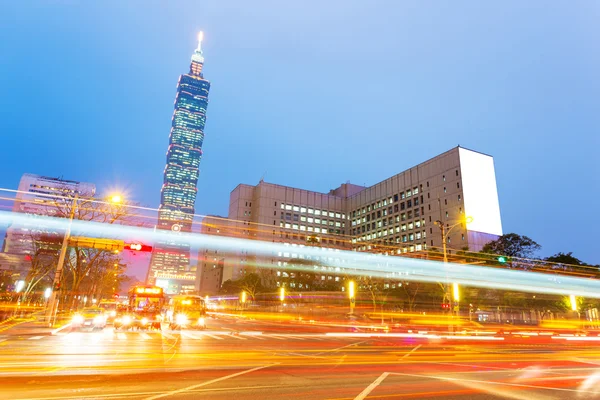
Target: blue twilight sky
<point x="312" y="94"/>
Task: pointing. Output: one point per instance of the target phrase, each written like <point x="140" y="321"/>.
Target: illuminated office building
<point x="396" y="216"/>
<point x="171" y="260"/>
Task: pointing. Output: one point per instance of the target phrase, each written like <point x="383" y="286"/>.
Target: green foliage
<point x="512" y="245"/>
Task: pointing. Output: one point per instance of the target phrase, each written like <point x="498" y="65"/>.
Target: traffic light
<point x="502" y="260"/>
<point x="57" y="287"/>
<point x="137" y="247"/>
<point x="445" y="306"/>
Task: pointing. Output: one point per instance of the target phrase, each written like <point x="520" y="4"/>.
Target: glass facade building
<point x="171" y="261"/>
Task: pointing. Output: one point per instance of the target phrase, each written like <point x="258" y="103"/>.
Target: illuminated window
<point x="302" y="209"/>
<point x="296" y="208"/>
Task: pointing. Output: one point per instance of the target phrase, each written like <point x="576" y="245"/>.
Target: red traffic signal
<point x="137" y="247"/>
<point x="445" y="305"/>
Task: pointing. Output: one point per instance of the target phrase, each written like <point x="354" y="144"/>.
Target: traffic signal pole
<point x="52" y="306"/>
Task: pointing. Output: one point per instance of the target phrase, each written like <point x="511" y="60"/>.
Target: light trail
<point x="348" y="262"/>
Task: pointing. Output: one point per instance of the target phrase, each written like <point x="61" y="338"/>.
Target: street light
<point x="243" y="297"/>
<point x="116" y="198"/>
<point x="19" y="286"/>
<point x="445" y="232"/>
<point x="351" y="295"/>
<point x="47" y="293"/>
<point x="282" y="294"/>
<point x="52" y="306"/>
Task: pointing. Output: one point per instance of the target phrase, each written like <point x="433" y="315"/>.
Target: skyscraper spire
<point x="198" y="57"/>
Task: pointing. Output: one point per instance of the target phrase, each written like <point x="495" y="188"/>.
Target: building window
<point x="456" y="172"/>
<point x="446" y="202"/>
<point x="444" y="178"/>
<point x="444" y="189"/>
<point x="459" y="197"/>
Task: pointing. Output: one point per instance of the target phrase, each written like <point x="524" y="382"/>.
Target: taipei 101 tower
<point x="170" y="263"/>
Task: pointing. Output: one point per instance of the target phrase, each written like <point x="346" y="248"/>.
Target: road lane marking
<point x="212" y="336"/>
<point x="342" y="348"/>
<point x="372" y="386"/>
<point x="135" y="394"/>
<point x="275" y="337"/>
<point x="188" y="335"/>
<point x="178" y="391"/>
<point x="237" y="337"/>
<point x="410" y="352"/>
<point x="459" y="380"/>
<point x="2" y="340"/>
<point x="145" y="336"/>
<point x="121" y="336"/>
<point x="167" y="335"/>
<point x="54" y="332"/>
<point x="36" y="337"/>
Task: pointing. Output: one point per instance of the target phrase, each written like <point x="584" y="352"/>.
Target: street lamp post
<point x="453" y="297"/>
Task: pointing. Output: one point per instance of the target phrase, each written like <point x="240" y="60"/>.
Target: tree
<point x="86" y="264"/>
<point x="562" y="258"/>
<point x="45" y="249"/>
<point x="249" y="283"/>
<point x="512" y="245"/>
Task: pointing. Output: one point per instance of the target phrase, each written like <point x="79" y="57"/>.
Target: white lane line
<point x="459" y="380"/>
<point x="410" y="352"/>
<point x="275" y="337"/>
<point x="167" y="335"/>
<point x="36" y="337"/>
<point x="372" y="386"/>
<point x="257" y="337"/>
<point x="238" y="337"/>
<point x="145" y="336"/>
<point x="212" y="336"/>
<point x="54" y="332"/>
<point x="188" y="335"/>
<point x="121" y="336"/>
<point x="343" y="347"/>
<point x="174" y="392"/>
<point x="295" y="337"/>
<point x="3" y="340"/>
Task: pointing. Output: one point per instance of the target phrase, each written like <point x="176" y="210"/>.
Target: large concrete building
<point x="395" y="216"/>
<point x="40" y="195"/>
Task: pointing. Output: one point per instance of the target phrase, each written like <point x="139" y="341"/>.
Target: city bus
<point x="187" y="311"/>
<point x="144" y="310"/>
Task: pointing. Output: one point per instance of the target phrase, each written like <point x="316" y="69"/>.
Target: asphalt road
<point x="256" y="360"/>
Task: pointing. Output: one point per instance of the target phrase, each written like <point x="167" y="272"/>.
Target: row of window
<point x="308" y="210"/>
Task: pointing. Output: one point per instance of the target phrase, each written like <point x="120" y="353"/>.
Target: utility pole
<point x="52" y="306"/>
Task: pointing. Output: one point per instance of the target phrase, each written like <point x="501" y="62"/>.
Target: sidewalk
<point x="29" y="326"/>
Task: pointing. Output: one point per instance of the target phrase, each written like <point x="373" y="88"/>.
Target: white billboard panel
<point x="480" y="192"/>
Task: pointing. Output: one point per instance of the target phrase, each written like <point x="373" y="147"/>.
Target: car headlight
<point x="113" y="313"/>
<point x="77" y="319"/>
<point x="201" y="321"/>
<point x="144" y="321"/>
<point x="181" y="319"/>
<point x="126" y="320"/>
<point x="98" y="320"/>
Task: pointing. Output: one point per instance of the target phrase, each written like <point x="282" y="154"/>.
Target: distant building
<point x="40" y="195"/>
<point x="396" y="216"/>
<point x="171" y="260"/>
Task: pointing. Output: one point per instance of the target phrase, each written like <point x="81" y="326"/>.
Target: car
<point x="92" y="318"/>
